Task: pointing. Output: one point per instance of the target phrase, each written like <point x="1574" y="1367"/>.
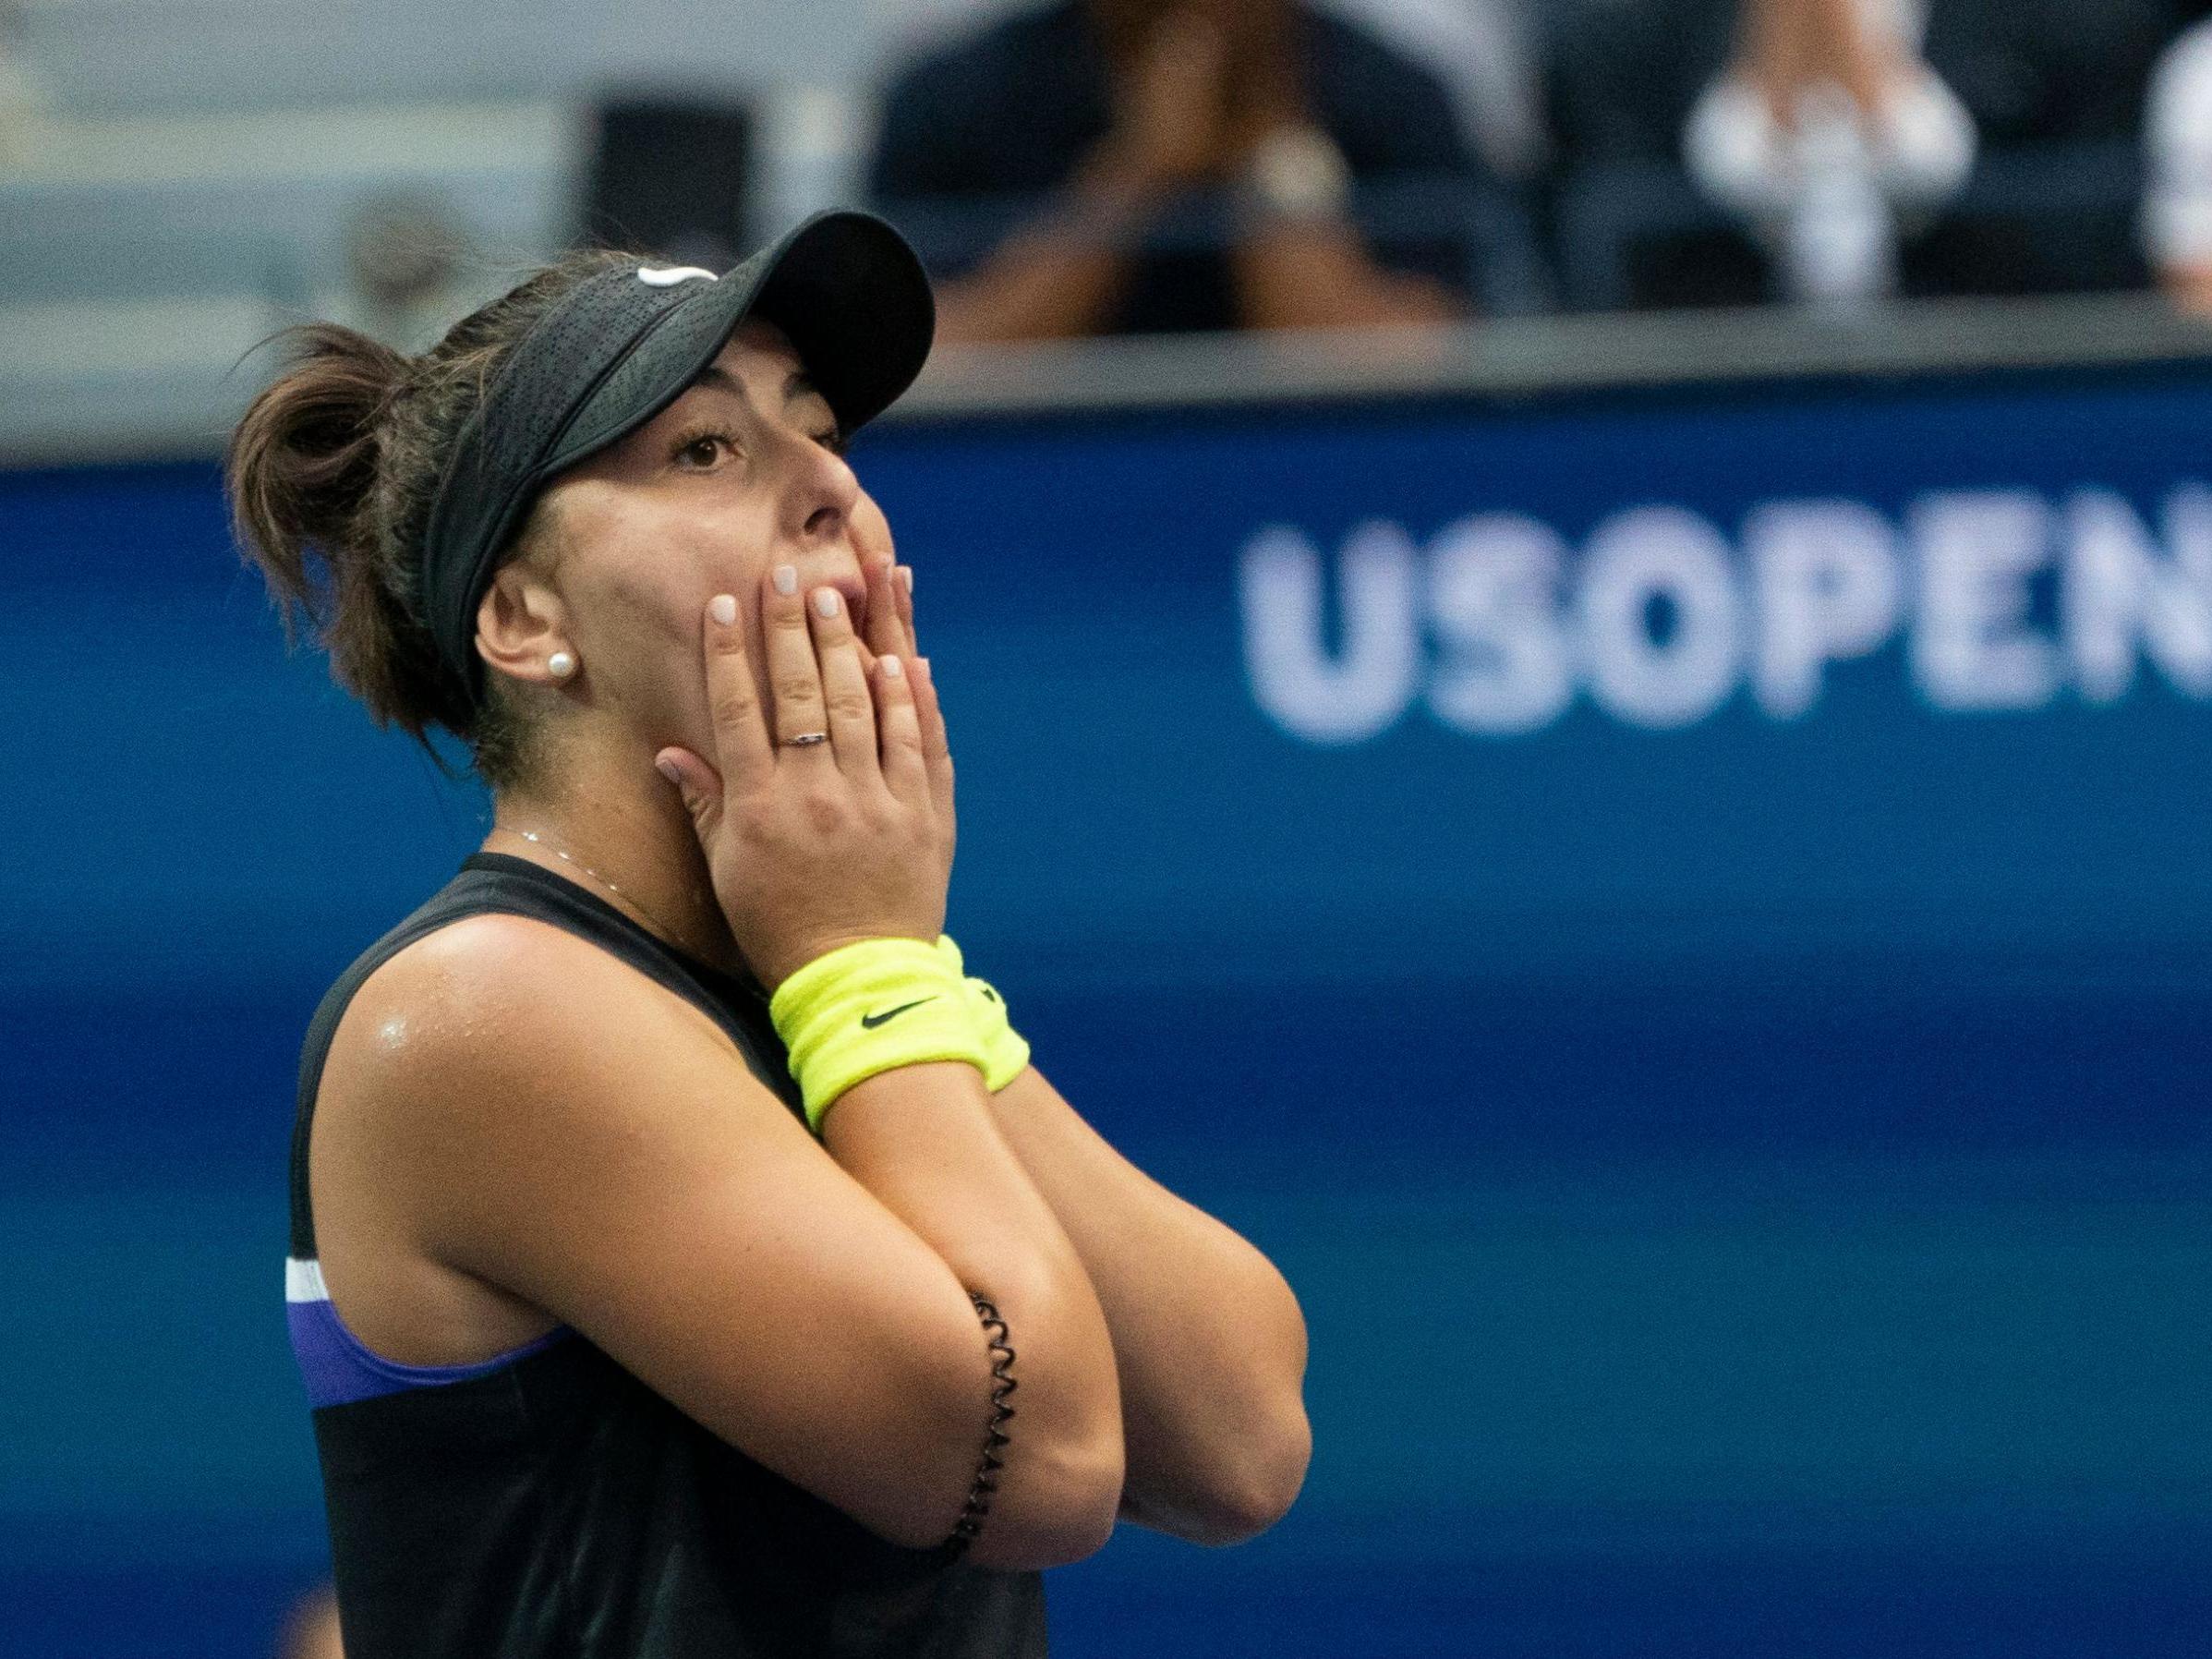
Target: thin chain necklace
<point x="667" y="933"/>
<point x="563" y="854"/>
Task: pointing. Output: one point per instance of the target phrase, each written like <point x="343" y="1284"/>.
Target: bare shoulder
<point x="499" y="997"/>
<point x="501" y="1069"/>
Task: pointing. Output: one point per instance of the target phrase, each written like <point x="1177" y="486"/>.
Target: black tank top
<point x="546" y="1503"/>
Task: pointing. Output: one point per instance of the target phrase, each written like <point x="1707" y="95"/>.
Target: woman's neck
<point x="620" y="832"/>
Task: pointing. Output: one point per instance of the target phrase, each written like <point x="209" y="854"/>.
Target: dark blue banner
<point x="1681" y="920"/>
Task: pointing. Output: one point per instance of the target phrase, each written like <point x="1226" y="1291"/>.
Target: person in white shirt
<point x="1828" y="132"/>
<point x="2177" y="220"/>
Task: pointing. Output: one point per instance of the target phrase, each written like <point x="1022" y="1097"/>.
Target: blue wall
<point x="1682" y="921"/>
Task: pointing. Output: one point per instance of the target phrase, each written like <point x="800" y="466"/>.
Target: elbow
<point x="1250" y="1492"/>
<point x="1057" y="1491"/>
<point x="1061" y="1511"/>
<point x="1057" y="1507"/>
<point x="1086" y="1504"/>
<point x="1051" y="1499"/>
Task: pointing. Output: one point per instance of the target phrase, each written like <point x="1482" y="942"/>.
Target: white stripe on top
<point x="302" y="1281"/>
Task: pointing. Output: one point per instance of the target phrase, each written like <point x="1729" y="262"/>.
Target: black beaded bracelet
<point x="969" y="1524"/>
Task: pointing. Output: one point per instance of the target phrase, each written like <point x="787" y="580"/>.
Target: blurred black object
<point x="670" y="177"/>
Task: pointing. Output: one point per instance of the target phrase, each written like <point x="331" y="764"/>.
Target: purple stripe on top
<point x="340" y="1369"/>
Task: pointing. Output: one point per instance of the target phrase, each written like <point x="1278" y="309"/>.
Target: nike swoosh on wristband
<point x="870" y="1022"/>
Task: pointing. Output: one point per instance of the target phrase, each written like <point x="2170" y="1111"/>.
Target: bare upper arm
<point x="526" y="1110"/>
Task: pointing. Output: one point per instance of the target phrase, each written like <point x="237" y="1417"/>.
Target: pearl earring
<point x="561" y="665"/>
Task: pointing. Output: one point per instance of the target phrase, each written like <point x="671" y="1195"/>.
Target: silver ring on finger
<point x="805" y="740"/>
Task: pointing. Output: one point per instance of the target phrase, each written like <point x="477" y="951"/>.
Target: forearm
<point x="1786" y="46"/>
<point x="1317" y="274"/>
<point x="1208" y="1338"/>
<point x="1062" y="277"/>
<point x="923" y="1140"/>
<point x="2190" y="288"/>
<point x="1775" y="51"/>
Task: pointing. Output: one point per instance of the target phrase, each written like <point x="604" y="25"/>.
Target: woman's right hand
<point x="814" y="846"/>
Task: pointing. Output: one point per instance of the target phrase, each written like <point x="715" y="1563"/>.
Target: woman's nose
<point x="825" y="492"/>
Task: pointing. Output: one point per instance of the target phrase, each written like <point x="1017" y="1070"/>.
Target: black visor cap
<point x="844" y="288"/>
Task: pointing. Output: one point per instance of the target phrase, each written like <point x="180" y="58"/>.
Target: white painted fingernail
<point x="723" y="608"/>
<point x="787" y="578"/>
<point x="825" y="602"/>
<point x="906" y="574"/>
<point x="891" y="670"/>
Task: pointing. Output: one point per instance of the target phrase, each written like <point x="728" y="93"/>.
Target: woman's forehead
<point x="758" y="348"/>
<point x="757" y="363"/>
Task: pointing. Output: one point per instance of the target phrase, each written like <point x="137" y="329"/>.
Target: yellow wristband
<point x="872" y="1007"/>
<point x="1005" y="1055"/>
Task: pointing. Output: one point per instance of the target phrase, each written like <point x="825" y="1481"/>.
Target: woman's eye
<point x="703" y="450"/>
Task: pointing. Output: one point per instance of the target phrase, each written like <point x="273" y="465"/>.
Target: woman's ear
<point x="521" y="628"/>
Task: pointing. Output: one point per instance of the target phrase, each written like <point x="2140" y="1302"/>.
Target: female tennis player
<point x="685" y="1258"/>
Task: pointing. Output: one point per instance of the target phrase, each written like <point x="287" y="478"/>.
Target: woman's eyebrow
<point x="796" y="385"/>
<point x="721" y="380"/>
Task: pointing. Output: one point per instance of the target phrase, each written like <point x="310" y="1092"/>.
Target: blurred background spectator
<point x="1824" y="129"/>
<point x="2178" y="129"/>
<point x="1483" y="50"/>
<point x="1646" y="95"/>
<point x="1090" y="122"/>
